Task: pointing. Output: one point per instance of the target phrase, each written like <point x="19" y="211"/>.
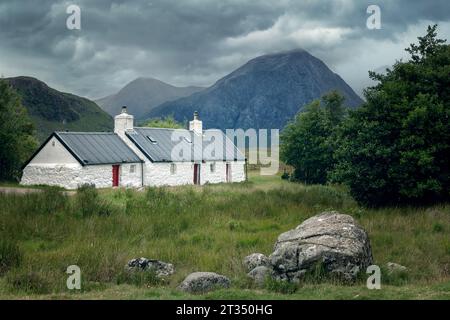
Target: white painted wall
<point x="51" y="174"/>
<point x="237" y="171"/>
<point x="159" y="174"/>
<point x="54" y="153"/>
<point x="128" y="178"/>
<point x="220" y="174"/>
<point x="70" y="176"/>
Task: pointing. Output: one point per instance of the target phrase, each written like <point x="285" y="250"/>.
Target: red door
<point x="115" y="175"/>
<point x="196" y="173"/>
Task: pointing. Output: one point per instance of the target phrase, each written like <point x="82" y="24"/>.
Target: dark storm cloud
<point x="196" y="42"/>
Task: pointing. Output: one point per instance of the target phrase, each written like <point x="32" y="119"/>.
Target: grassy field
<point x="209" y="228"/>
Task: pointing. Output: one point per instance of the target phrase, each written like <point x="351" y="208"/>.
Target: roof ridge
<point x="84" y="132"/>
<point x="153" y="128"/>
<point x="161" y="128"/>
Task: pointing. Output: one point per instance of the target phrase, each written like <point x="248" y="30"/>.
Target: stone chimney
<point x="123" y="122"/>
<point x="196" y="125"/>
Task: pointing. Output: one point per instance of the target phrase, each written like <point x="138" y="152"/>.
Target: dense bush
<point x="395" y="149"/>
<point x="307" y="142"/>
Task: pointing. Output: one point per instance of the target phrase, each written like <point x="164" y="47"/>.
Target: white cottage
<point x="136" y="156"/>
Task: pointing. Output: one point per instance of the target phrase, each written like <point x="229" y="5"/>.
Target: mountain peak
<point x="266" y="92"/>
<point x="142" y="94"/>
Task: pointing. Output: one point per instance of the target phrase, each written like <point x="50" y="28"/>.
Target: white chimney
<point x="196" y="125"/>
<point x="123" y="122"/>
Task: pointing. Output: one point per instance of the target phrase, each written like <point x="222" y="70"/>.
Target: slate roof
<point x="157" y="145"/>
<point x="91" y="148"/>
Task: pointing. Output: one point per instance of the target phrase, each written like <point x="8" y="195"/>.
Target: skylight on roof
<point x="152" y="140"/>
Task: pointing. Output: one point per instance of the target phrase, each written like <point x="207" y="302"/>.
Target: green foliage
<point x="28" y="282"/>
<point x="280" y="286"/>
<point x="166" y="122"/>
<point x="145" y="278"/>
<point x="195" y="228"/>
<point x="51" y="110"/>
<point x="89" y="203"/>
<point x="395" y="149"/>
<point x="48" y="201"/>
<point x="10" y="255"/>
<point x="307" y="142"/>
<point x="17" y="140"/>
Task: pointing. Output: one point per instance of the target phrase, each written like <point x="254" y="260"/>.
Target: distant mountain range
<point x="51" y="110"/>
<point x="266" y="92"/>
<point x="142" y="95"/>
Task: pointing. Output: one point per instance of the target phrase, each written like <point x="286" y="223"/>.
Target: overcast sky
<point x="196" y="42"/>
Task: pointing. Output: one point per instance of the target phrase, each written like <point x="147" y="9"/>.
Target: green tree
<point x="166" y="122"/>
<point x="307" y="141"/>
<point x="395" y="149"/>
<point x="17" y="141"/>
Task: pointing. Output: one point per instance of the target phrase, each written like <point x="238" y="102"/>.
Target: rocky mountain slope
<point x="266" y="92"/>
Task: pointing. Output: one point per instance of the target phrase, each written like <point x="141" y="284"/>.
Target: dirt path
<point x="27" y="190"/>
<point x="18" y="190"/>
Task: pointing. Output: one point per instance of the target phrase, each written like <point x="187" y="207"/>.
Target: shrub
<point x="394" y="149"/>
<point x="52" y="200"/>
<point x="89" y="203"/>
<point x="307" y="140"/>
<point x="10" y="255"/>
<point x="438" y="227"/>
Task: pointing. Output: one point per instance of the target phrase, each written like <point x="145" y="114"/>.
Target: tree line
<point x="395" y="148"/>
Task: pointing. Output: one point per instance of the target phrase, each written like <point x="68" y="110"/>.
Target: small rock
<point x="259" y="274"/>
<point x="200" y="282"/>
<point x="161" y="269"/>
<point x="256" y="260"/>
<point x="393" y="267"/>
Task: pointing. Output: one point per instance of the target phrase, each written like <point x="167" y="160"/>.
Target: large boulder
<point x="200" y="282"/>
<point x="331" y="240"/>
<point x="160" y="268"/>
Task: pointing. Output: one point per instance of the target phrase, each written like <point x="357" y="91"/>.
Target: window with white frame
<point x="133" y="168"/>
<point x="173" y="168"/>
<point x="212" y="167"/>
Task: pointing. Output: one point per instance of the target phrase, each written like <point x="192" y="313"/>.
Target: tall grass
<point x="208" y="228"/>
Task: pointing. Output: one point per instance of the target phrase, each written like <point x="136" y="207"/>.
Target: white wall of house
<point x="160" y="173"/>
<point x="54" y="165"/>
<point x="70" y="176"/>
<point x="237" y="171"/>
<point x="54" y="153"/>
<point x="130" y="175"/>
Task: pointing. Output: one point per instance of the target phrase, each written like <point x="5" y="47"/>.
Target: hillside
<point x="266" y="92"/>
<point x="143" y="94"/>
<point x="51" y="110"/>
